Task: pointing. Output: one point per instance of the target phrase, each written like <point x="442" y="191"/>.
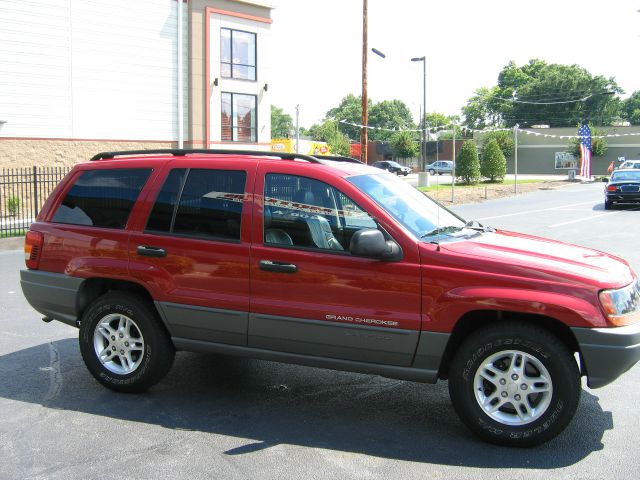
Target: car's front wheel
<point x="124" y="344"/>
<point x="432" y="171"/>
<point x="514" y="384"/>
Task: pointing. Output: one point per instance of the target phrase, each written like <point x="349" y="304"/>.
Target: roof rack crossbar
<point x="182" y="152"/>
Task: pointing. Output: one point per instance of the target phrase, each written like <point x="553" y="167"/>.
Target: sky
<point x="316" y="48"/>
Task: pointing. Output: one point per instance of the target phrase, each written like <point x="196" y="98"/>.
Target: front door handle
<point x="272" y="266"/>
<point x="147" y="251"/>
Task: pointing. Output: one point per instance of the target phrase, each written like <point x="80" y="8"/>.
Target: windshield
<point x="620" y="176"/>
<point x="395" y="164"/>
<point x="415" y="211"/>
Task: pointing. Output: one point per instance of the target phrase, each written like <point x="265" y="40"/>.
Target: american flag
<point x="585" y="151"/>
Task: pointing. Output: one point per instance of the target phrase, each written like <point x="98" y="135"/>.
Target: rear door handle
<point x="272" y="266"/>
<point x="147" y="251"/>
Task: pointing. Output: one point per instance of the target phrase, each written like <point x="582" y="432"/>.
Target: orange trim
<point x="229" y="13"/>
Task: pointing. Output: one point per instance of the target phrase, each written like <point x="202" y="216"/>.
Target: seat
<point x="275" y="236"/>
<point x="319" y="227"/>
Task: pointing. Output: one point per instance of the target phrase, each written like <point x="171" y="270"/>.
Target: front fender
<point x="573" y="311"/>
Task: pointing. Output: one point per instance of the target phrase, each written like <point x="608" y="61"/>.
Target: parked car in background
<point x="393" y="167"/>
<point x="440" y="167"/>
<point x="629" y="164"/>
<point x="623" y="187"/>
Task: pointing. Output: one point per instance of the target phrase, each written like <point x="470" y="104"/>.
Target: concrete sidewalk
<point x="11" y="243"/>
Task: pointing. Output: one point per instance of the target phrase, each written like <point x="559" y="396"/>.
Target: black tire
<point x="608" y="205"/>
<point x="493" y="344"/>
<point x="432" y="172"/>
<point x="151" y="351"/>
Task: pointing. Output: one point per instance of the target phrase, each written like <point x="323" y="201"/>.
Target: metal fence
<point x="22" y="193"/>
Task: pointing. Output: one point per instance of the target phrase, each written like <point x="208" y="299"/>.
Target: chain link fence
<point x="22" y="194"/>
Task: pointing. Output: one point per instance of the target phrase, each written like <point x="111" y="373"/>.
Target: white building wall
<point x="90" y="69"/>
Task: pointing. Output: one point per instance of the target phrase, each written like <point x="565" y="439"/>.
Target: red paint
<point x="431" y="288"/>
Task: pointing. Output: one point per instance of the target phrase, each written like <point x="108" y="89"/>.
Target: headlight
<point x="622" y="305"/>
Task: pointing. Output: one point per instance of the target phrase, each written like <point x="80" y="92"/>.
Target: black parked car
<point x="393" y="167"/>
<point x="623" y="187"/>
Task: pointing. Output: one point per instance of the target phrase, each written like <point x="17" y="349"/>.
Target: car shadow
<point x="270" y="404"/>
<point x="616" y="206"/>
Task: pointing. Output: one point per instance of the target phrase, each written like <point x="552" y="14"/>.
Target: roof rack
<point x="178" y="152"/>
<point x="338" y="158"/>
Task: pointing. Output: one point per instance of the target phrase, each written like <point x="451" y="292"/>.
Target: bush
<point x="13" y="205"/>
<point x="493" y="165"/>
<point x="467" y="164"/>
<point x="504" y="139"/>
<point x="404" y="145"/>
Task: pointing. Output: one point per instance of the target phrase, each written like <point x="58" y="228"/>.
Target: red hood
<point x="522" y="255"/>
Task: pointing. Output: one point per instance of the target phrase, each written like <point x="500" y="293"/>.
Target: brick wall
<point x="44" y="152"/>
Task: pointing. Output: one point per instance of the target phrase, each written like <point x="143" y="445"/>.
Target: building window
<point x="237" y="54"/>
<point x="239" y="117"/>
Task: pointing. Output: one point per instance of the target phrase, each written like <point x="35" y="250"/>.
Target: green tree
<point x="385" y="117"/>
<point x="493" y="164"/>
<point x="540" y="93"/>
<point x="389" y="115"/>
<point x="632" y="108"/>
<point x="599" y="146"/>
<point x="505" y="141"/>
<point x="467" y="163"/>
<point x="349" y="110"/>
<point x="404" y="145"/>
<point x="281" y="123"/>
<point x="328" y="132"/>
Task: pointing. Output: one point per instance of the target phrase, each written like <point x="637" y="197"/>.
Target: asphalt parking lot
<point x="230" y="418"/>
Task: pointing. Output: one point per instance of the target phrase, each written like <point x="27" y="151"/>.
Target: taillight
<point x="32" y="249"/>
<point x="611" y="188"/>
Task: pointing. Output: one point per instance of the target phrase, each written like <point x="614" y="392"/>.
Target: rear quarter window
<point x="102" y="198"/>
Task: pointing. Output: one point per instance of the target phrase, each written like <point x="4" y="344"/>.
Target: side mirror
<point x="370" y="242"/>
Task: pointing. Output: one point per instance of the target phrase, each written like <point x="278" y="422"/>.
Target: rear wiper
<point x="438" y="231"/>
<point x="476" y="225"/>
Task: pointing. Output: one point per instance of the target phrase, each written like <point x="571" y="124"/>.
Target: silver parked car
<point x="440" y="167"/>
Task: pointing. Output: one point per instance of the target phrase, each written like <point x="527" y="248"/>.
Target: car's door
<point x="309" y="295"/>
<point x="192" y="253"/>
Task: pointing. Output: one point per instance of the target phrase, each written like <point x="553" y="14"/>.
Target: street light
<point x="424" y="108"/>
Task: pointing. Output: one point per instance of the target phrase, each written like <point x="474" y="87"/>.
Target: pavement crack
<point x="55" y="375"/>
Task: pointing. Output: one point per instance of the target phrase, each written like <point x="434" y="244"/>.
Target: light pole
<point x="423" y="139"/>
<point x="298" y="128"/>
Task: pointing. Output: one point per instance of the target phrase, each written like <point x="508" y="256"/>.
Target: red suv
<point x="329" y="263"/>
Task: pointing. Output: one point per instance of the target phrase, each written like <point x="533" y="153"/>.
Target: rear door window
<point x="102" y="198"/>
<point x="201" y="203"/>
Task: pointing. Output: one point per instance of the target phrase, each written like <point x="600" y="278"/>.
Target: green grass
<point x="14" y="233"/>
<point x="486" y="183"/>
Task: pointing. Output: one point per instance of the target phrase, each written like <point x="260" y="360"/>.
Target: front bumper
<point x="607" y="353"/>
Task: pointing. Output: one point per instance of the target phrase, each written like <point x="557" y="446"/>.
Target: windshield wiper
<point x="438" y="231"/>
<point x="476" y="225"/>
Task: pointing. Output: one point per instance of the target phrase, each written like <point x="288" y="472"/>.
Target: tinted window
<point x="102" y="198"/>
<point x="210" y="204"/>
<point x="303" y="212"/>
<point x="162" y="213"/>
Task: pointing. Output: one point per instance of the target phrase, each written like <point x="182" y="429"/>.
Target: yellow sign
<point x="306" y="147"/>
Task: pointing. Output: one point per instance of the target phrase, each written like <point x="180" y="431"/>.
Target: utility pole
<point x="453" y="170"/>
<point x="364" y="134"/>
<point x="297" y="128"/>
<point x="423" y="146"/>
<point x="515" y="158"/>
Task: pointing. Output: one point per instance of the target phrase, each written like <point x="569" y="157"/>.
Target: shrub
<point x="404" y="145"/>
<point x="467" y="164"/>
<point x="13" y="205"/>
<point x="493" y="165"/>
<point x="504" y="139"/>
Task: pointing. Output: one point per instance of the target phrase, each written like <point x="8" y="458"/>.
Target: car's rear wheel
<point x="608" y="205"/>
<point x="432" y="171"/>
<point x="514" y="384"/>
<point x="124" y="344"/>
